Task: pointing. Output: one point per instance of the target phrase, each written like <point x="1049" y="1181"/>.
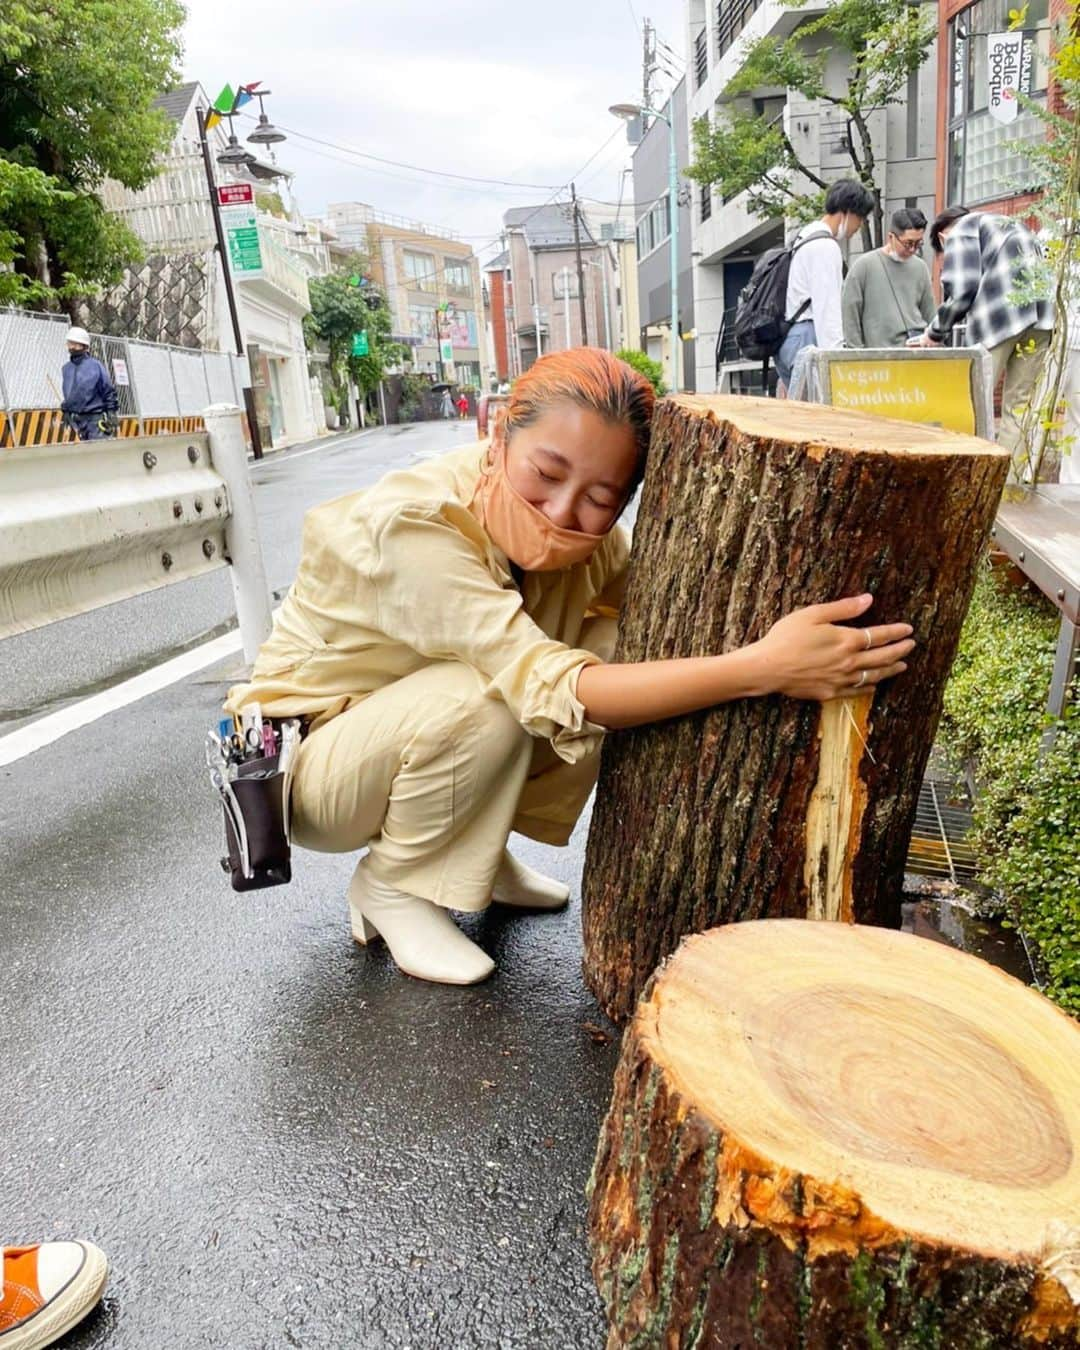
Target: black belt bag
<point x="254" y="796"/>
<point x="257" y="826"/>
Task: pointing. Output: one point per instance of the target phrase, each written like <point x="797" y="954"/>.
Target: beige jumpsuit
<point x="441" y="697"/>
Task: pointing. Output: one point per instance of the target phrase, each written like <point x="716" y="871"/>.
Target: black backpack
<point x="760" y="325"/>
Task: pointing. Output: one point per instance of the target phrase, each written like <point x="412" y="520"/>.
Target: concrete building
<point x="546" y="308"/>
<point x="432" y="285"/>
<point x="172" y="217"/>
<point x="652" y="233"/>
<point x="727" y="236"/>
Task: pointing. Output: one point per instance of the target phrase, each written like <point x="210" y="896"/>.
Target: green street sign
<point x="360" y="344"/>
<point x="242" y="241"/>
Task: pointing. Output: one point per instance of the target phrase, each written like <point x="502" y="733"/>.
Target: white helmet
<point x="78" y="335"/>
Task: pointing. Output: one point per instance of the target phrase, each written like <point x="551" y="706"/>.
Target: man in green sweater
<point x="887" y="297"/>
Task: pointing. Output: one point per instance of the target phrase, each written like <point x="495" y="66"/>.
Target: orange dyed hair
<point x="592" y="378"/>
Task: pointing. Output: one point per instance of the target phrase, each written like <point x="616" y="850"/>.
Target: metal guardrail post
<point x="9" y="418"/>
<point x="250" y="589"/>
<point x="140" y="421"/>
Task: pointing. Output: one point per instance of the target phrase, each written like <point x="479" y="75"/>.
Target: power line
<point x="398" y="177"/>
<point x="416" y="168"/>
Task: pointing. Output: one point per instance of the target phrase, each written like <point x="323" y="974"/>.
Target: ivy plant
<point x="1027" y="801"/>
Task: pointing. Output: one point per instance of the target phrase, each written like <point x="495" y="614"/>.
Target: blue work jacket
<point x="87" y="387"/>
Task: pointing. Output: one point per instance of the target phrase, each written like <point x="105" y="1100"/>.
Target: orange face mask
<point x="523" y="533"/>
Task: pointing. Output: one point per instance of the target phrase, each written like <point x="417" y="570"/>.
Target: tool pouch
<point x="256" y="809"/>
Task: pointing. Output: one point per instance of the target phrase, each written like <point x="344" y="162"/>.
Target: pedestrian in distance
<point x="463" y="406"/>
<point x="887" y="299"/>
<point x="448" y="641"/>
<point x="447" y="405"/>
<point x="89" y="397"/>
<point x="816" y="278"/>
<point x="46" y="1288"/>
<point x="989" y="281"/>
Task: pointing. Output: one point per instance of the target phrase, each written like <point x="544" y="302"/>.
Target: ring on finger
<point x="869" y="639"/>
<point x="861" y="680"/>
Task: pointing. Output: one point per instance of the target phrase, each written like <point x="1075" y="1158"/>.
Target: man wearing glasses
<point x="887" y="299"/>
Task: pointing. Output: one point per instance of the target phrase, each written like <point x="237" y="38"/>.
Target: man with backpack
<point x="816" y="276"/>
<point x="887" y="299"/>
<point x="792" y="299"/>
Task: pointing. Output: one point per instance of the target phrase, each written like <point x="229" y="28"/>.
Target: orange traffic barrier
<point x="42" y="426"/>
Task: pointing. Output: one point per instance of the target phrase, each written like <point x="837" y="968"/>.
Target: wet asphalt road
<point x="277" y="1139"/>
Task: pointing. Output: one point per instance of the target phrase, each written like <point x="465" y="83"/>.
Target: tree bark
<point x="834" y="1137"/>
<point x="771" y="807"/>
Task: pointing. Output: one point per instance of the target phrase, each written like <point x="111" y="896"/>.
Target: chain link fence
<point x="160" y="388"/>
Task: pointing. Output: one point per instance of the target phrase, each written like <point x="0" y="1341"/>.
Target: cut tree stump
<point x="768" y="807"/>
<point x="831" y="1137"/>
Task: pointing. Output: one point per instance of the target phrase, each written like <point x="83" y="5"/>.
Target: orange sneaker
<point x="47" y="1288"/>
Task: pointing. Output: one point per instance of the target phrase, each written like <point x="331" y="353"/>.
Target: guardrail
<point x="88" y="524"/>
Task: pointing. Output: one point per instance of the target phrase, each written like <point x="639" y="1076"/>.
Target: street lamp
<point x="234" y="156"/>
<point x="265" y="133"/>
<point x="628" y="111"/>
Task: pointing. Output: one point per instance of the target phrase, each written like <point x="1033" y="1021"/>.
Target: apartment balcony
<point x="284" y="281"/>
<point x="734" y="25"/>
<point x="731" y="227"/>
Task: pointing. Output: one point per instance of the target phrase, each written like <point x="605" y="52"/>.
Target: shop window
<point x="986" y="159"/>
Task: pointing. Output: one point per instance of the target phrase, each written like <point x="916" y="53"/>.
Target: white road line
<point x="54" y="725"/>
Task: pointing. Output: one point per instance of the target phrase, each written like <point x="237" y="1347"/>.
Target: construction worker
<point x="90" y="400"/>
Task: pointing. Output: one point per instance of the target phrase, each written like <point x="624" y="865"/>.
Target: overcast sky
<point x="496" y="90"/>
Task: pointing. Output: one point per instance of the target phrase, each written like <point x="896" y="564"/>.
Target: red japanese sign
<point x="236" y="194"/>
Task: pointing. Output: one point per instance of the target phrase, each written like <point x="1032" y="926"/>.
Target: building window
<point x="701" y="58"/>
<point x="457" y="277"/>
<point x="653" y="227"/>
<point x="704" y="202"/>
<point x="419" y="271"/>
<point x="732" y="17"/>
<point x="564" y="284"/>
<point x="985" y="154"/>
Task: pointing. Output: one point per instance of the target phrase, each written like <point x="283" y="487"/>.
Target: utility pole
<point x="580" y="268"/>
<point x="535" y="288"/>
<point x="648" y="66"/>
<point x="223" y="254"/>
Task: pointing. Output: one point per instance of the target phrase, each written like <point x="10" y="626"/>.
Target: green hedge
<point x="1027" y="809"/>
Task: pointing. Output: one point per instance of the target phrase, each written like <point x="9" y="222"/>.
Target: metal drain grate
<point x="939" y="846"/>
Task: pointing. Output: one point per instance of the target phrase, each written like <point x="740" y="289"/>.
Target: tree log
<point x="837" y="1137"/>
<point x="770" y="807"/>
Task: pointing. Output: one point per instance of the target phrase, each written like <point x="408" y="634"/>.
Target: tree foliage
<point x="77" y="83"/>
<point x="749" y="150"/>
<point x="339" y="310"/>
<point x="652" y="370"/>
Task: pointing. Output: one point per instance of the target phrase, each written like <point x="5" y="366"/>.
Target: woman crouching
<point x="448" y="640"/>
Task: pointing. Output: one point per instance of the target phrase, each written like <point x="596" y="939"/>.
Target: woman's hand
<point x="805" y="654"/>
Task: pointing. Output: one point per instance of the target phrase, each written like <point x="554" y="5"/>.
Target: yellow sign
<point x="937" y="392"/>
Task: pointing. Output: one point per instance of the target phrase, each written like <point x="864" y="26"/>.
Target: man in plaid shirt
<point x="991" y="262"/>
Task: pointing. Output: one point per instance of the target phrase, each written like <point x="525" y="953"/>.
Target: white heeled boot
<point x="423" y="939"/>
<point x="518" y="885"/>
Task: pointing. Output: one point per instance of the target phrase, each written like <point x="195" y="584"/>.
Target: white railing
<point x="280" y="270"/>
